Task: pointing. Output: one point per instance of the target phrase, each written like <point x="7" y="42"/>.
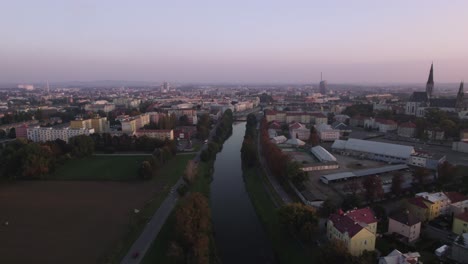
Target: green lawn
<point x="167" y="176"/>
<point x="102" y="168"/>
<point x="287" y="249"/>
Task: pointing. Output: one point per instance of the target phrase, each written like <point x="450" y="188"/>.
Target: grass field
<point x="100" y="168"/>
<point x="83" y="221"/>
<point x="166" y="178"/>
<point x="287" y="249"/>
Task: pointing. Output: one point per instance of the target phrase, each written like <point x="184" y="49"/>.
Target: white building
<point x="42" y="134"/>
<point x="327" y="133"/>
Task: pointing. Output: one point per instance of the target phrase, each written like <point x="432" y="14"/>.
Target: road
<point x="139" y="248"/>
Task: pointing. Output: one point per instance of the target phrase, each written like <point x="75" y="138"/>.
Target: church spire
<point x="460" y="96"/>
<point x="430" y="82"/>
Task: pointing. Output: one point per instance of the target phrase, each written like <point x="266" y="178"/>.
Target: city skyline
<point x="239" y="42"/>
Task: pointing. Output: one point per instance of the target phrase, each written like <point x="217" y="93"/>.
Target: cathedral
<point x="420" y="101"/>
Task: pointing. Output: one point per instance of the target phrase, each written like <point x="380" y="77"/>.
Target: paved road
<point x="274" y="182"/>
<point x="139" y="248"/>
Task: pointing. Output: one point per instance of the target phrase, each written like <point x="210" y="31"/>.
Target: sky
<point x="241" y="41"/>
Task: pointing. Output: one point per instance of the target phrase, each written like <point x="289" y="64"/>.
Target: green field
<point x="287" y="249"/>
<point x="167" y="176"/>
<point x="101" y="168"/>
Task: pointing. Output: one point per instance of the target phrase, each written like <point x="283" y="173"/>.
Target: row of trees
<point x="164" y="122"/>
<point x="249" y="146"/>
<point x="161" y="155"/>
<point x="280" y="164"/>
<point x="203" y="126"/>
<point x="30" y="160"/>
<point x="108" y="143"/>
<point x="222" y="132"/>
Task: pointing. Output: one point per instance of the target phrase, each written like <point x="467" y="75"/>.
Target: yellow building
<point x="356" y="229"/>
<point x="100" y="124"/>
<point x="427" y="206"/>
<point x="460" y="223"/>
<point x="80" y="123"/>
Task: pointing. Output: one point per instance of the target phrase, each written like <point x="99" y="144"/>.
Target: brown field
<point x="66" y="222"/>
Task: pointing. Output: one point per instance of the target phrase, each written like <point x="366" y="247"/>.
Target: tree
<point x="335" y="251"/>
<point x="193" y="222"/>
<point x="82" y="146"/>
<point x="295" y="172"/>
<point x="298" y="219"/>
<point x="313" y="137"/>
<point x="145" y="171"/>
<point x="249" y="152"/>
<point x="184" y="120"/>
<point x="12" y="133"/>
<point x="373" y="188"/>
<point x="351" y="201"/>
<point x="419" y="176"/>
<point x="397" y="181"/>
<point x="445" y="172"/>
<point x="190" y="172"/>
<point x="328" y="207"/>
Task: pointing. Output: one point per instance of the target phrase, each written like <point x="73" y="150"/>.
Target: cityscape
<point x="225" y="133"/>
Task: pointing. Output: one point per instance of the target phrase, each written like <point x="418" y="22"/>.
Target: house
<point x="407" y="129"/>
<point x="427" y="206"/>
<point x="459" y="250"/>
<point x="279" y="139"/>
<point x="298" y="130"/>
<point x="356" y="229"/>
<point x="396" y="257"/>
<point x="405" y="224"/>
<point x="386" y="125"/>
<point x="460" y="223"/>
<point x="327" y="133"/>
<point x="318" y="118"/>
<point x="458" y="202"/>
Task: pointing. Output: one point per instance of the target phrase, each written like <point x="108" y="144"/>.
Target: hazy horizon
<point x="364" y="42"/>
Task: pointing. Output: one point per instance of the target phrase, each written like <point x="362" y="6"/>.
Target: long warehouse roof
<point x="386" y="149"/>
<point x="365" y="172"/>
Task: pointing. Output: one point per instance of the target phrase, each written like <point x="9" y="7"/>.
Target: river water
<point x="239" y="236"/>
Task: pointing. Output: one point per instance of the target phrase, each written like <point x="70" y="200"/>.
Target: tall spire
<point x="460" y="96"/>
<point x="430" y="82"/>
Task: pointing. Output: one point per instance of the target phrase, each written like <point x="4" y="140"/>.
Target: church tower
<point x="430" y="82"/>
<point x="460" y="97"/>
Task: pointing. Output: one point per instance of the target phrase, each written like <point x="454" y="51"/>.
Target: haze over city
<point x="235" y="41"/>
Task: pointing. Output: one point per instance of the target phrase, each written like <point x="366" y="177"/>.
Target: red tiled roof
<point x="362" y="215"/>
<point x="345" y="224"/>
<point x="295" y="125"/>
<point x="456" y="197"/>
<point x="350" y="221"/>
<point x="318" y="115"/>
<point x="270" y="112"/>
<point x="463" y="216"/>
<point x="418" y="201"/>
<point x="408" y="125"/>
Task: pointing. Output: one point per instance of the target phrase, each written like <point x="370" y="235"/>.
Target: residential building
<point x="460" y="223"/>
<point x="405" y="224"/>
<point x="100" y="106"/>
<point x="99" y="124"/>
<point x="430" y="161"/>
<point x="427" y="206"/>
<point x="407" y="129"/>
<point x="327" y="133"/>
<point x="42" y="134"/>
<point x="161" y="134"/>
<point x="396" y="257"/>
<point x="458" y="203"/>
<point x="356" y="229"/>
<point x="435" y="134"/>
<point x="298" y="130"/>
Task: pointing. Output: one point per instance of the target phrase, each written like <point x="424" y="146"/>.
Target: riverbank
<point x="164" y="248"/>
<point x="266" y="202"/>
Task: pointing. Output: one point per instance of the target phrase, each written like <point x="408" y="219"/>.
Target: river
<point x="239" y="235"/>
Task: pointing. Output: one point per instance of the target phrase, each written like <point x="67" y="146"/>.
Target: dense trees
<point x="336" y="252"/>
<point x="249" y="146"/>
<point x="397" y="181"/>
<point x="313" y="137"/>
<point x="81" y="146"/>
<point x="203" y="127"/>
<point x="445" y="172"/>
<point x="190" y="172"/>
<point x="373" y="188"/>
<point x="193" y="227"/>
<point x="299" y="220"/>
<point x="15" y="118"/>
<point x="23" y="160"/>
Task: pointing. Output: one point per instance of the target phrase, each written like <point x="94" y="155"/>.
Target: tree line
<point x="32" y="160"/>
<point x="280" y="164"/>
<point x="107" y="143"/>
<point x="223" y="131"/>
